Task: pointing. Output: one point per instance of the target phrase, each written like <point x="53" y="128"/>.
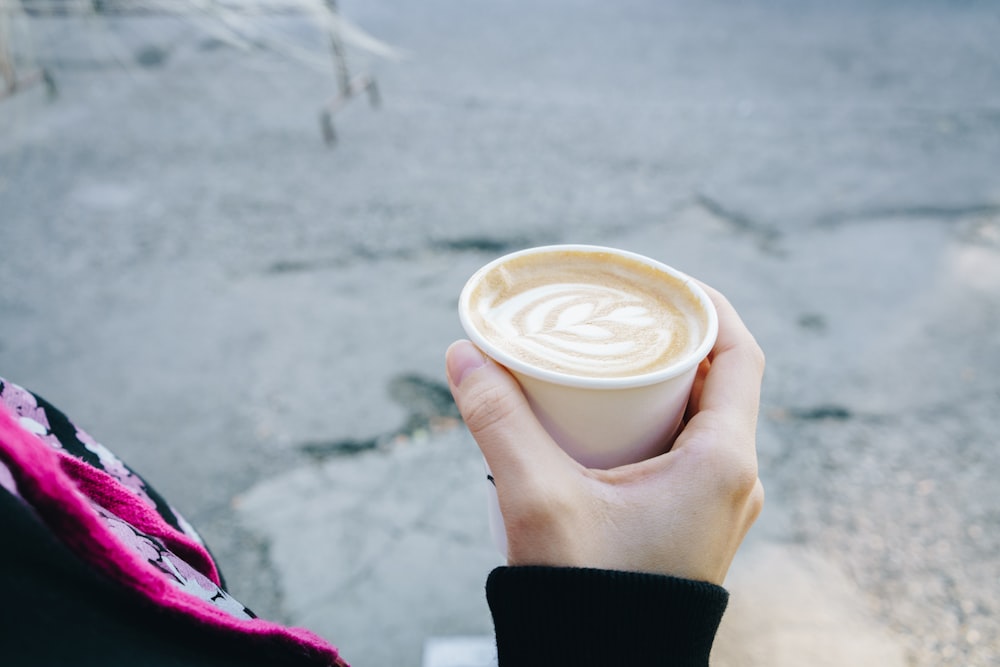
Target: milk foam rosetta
<point x="588" y="314"/>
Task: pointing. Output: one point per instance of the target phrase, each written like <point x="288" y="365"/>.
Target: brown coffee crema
<point x="588" y="313"/>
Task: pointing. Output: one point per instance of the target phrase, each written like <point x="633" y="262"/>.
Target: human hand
<point x="683" y="513"/>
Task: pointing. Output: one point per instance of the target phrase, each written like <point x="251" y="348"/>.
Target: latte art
<point x="588" y="316"/>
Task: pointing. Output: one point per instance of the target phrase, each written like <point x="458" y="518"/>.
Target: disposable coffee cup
<point x="605" y="344"/>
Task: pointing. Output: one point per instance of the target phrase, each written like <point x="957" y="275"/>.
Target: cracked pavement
<point x="257" y="322"/>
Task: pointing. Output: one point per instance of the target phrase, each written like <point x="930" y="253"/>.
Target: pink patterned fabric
<point x="110" y="524"/>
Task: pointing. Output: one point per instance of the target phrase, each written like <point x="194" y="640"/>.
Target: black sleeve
<point x="575" y="617"/>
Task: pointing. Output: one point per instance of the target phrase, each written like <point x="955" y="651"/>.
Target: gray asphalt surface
<point x="258" y="322"/>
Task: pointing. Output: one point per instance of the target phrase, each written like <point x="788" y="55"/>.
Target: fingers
<point x="732" y="386"/>
<point x="694" y="401"/>
<point x="497" y="413"/>
<point x="720" y="433"/>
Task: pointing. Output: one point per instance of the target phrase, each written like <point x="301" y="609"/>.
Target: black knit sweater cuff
<point x="549" y="616"/>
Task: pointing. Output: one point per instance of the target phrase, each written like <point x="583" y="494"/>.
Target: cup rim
<point x="587" y="382"/>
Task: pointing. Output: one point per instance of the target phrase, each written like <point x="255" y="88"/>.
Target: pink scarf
<point x="60" y="488"/>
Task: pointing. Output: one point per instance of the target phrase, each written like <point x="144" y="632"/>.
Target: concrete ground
<point x="258" y="322"/>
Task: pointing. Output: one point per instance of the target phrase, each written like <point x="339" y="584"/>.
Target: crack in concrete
<point x="481" y="244"/>
<point x="430" y="407"/>
<point x="820" y="412"/>
<point x="767" y="236"/>
<point x="364" y="254"/>
<point x="918" y="212"/>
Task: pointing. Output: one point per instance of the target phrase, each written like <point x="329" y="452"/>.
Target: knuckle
<point x="736" y="474"/>
<point x="755" y="502"/>
<point x="742" y="479"/>
<point x="757" y="356"/>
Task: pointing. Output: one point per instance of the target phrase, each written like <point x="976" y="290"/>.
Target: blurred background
<point x="232" y="236"/>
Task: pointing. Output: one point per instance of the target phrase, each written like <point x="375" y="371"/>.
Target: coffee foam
<point x="590" y="314"/>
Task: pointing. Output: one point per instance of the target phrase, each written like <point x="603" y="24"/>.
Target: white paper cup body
<point x="601" y="422"/>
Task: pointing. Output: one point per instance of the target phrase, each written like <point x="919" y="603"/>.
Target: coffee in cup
<point x="605" y="344"/>
<point x="589" y="313"/>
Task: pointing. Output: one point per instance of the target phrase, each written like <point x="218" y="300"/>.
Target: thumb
<point x="497" y="413"/>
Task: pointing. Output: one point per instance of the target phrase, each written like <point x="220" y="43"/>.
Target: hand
<point x="683" y="513"/>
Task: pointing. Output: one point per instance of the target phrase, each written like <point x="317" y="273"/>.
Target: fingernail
<point x="462" y="358"/>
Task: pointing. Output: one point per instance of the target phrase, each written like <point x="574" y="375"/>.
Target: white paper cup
<point x="602" y="422"/>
